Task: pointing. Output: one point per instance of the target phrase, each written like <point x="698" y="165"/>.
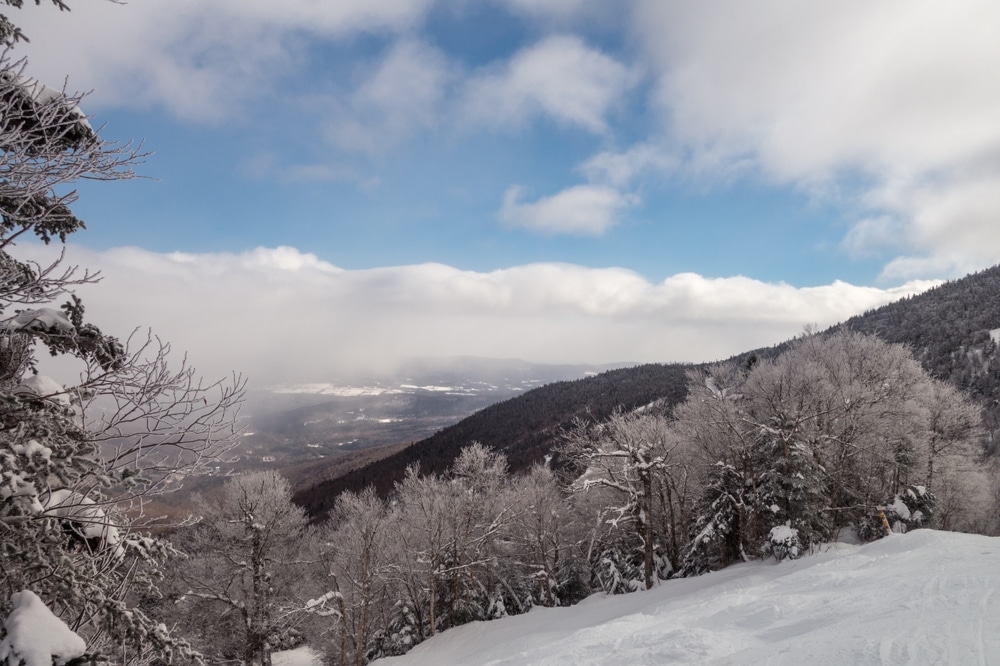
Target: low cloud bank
<point x="279" y="314"/>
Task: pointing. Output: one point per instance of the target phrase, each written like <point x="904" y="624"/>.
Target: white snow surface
<point x="925" y="597"/>
<point x="46" y="387"/>
<point x="39" y="320"/>
<point x="300" y="656"/>
<point x="36" y="637"/>
<point x="89" y="519"/>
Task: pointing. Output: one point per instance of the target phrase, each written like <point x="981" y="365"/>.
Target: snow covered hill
<point x="921" y="598"/>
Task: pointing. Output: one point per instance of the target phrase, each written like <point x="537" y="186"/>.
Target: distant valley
<point x="311" y="429"/>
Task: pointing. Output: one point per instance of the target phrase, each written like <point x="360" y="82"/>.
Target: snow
<point x="783" y="533"/>
<point x="89" y="520"/>
<point x="925" y="597"/>
<point x="46" y="387"/>
<point x="899" y="508"/>
<point x="36" y="637"/>
<point x="42" y="319"/>
<point x="301" y="656"/>
<point x="335" y="390"/>
<point x="32" y="448"/>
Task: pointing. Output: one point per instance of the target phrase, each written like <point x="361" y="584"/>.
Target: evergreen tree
<point x="78" y="461"/>
<point x="722" y="520"/>
<point x="791" y="489"/>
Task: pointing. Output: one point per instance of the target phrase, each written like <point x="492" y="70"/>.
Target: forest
<point x="839" y="434"/>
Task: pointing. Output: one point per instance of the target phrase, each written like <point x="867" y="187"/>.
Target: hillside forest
<point x="837" y="434"/>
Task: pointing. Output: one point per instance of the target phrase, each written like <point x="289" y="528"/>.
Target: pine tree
<point x="722" y="520"/>
<point x="791" y="490"/>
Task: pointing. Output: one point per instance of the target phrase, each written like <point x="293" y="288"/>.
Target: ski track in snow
<point x="920" y="598"/>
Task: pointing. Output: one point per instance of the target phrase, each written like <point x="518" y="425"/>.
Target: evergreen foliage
<point x="78" y="462"/>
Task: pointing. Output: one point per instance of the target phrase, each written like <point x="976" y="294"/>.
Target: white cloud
<point x="621" y="169"/>
<point x="842" y="92"/>
<point x="587" y="210"/>
<point x="560" y="77"/>
<point x="200" y="60"/>
<point x="949" y="227"/>
<point x="546" y="8"/>
<point x="281" y="314"/>
<point x="402" y="94"/>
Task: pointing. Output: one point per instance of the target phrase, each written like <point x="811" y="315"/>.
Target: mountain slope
<point x="525" y="427"/>
<point x="925" y="597"/>
<point x="948" y="328"/>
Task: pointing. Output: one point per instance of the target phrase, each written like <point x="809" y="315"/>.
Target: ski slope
<point x="925" y="597"/>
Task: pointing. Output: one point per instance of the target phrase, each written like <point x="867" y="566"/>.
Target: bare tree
<point x="625" y="456"/>
<point x="243" y="558"/>
<point x="358" y="562"/>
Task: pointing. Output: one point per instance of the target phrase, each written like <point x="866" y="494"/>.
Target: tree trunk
<point x="646" y="505"/>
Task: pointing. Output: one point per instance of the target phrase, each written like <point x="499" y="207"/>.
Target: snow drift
<point x="925" y="597"/>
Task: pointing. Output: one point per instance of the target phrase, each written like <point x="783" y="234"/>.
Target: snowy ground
<point x="922" y="598"/>
<point x="303" y="656"/>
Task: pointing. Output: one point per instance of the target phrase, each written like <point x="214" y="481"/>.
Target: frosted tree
<point x="419" y="537"/>
<point x="827" y="435"/>
<point x="712" y="424"/>
<point x="243" y="559"/>
<point x="479" y="509"/>
<point x="80" y="457"/>
<point x="448" y="543"/>
<point x="358" y="561"/>
<point x="547" y="532"/>
<point x="625" y="456"/>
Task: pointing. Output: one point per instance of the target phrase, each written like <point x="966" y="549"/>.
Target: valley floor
<point x="926" y="597"/>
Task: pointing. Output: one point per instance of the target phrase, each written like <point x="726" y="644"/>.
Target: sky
<point x="337" y="185"/>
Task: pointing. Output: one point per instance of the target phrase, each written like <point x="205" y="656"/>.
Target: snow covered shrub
<point x="908" y="510"/>
<point x="616" y="573"/>
<point x="403" y="631"/>
<point x="783" y="543"/>
<point x="913" y="508"/>
<point x="36" y="637"/>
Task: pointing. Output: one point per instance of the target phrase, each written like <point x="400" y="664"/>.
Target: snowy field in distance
<point x="921" y="598"/>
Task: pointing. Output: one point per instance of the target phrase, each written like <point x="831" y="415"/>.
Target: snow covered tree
<point x="419" y="535"/>
<point x="479" y="509"/>
<point x="244" y="560"/>
<point x="545" y="532"/>
<point x="10" y="33"/>
<point x="450" y="545"/>
<point x="723" y="517"/>
<point x="824" y="436"/>
<point x="79" y="458"/>
<point x="624" y="456"/>
<point x="358" y="570"/>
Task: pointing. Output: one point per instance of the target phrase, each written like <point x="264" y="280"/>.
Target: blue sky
<point x="569" y="180"/>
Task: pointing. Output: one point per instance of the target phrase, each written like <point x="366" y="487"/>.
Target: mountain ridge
<point x="948" y="328"/>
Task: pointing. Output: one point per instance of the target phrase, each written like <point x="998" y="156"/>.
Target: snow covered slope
<point x="921" y="598"/>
